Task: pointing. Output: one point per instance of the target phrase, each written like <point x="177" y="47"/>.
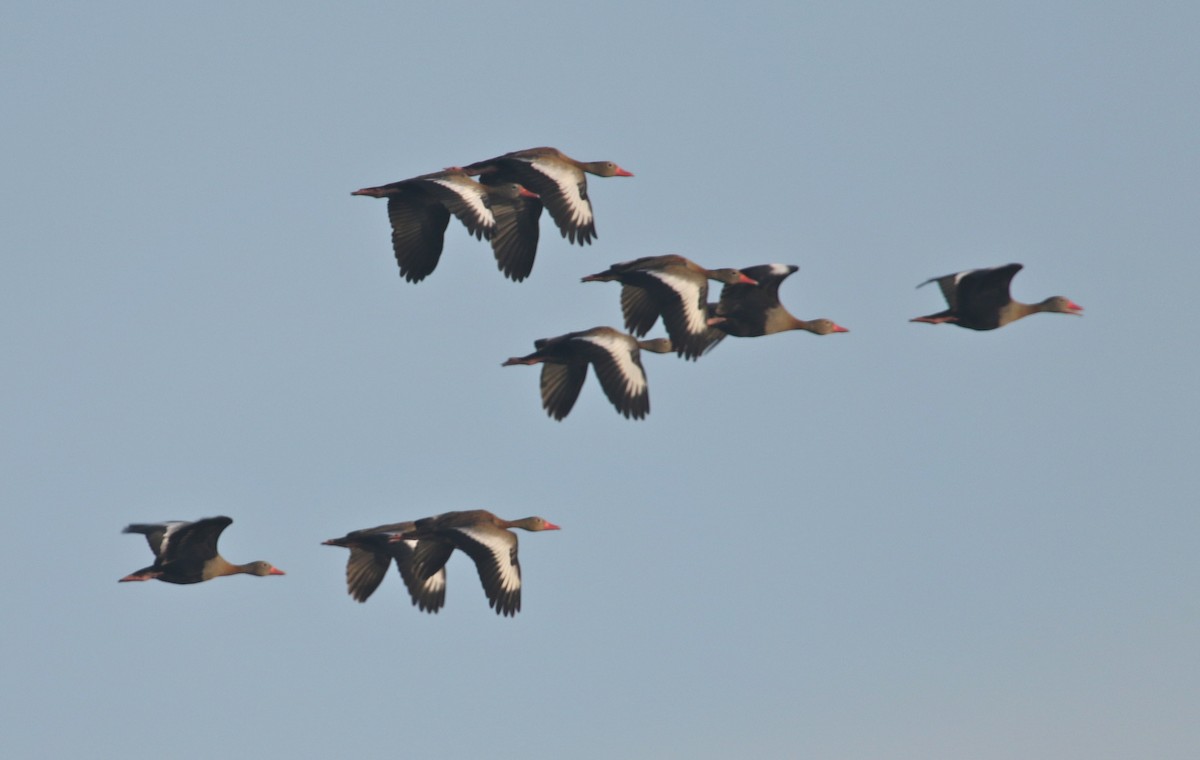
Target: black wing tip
<point x="514" y="272"/>
<point x="413" y="276"/>
<point x="431" y="607"/>
<point x="505" y="607"/>
<point x="635" y="408"/>
<point x="580" y="236"/>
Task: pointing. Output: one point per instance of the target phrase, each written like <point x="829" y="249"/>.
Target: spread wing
<point x="619" y="368"/>
<point x="495" y="554"/>
<point x="683" y="299"/>
<point x="366" y="567"/>
<point x="157" y="534"/>
<point x="466" y="199"/>
<point x="422" y="566"/>
<point x="561" y="384"/>
<point x="985" y="290"/>
<point x="640" y="308"/>
<point x="195" y="541"/>
<point x="418" y="234"/>
<point x="742" y="298"/>
<point x="515" y="239"/>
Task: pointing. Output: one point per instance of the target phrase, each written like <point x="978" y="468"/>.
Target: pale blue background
<point x="904" y="542"/>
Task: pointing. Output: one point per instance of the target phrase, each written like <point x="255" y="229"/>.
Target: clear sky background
<point x="910" y="541"/>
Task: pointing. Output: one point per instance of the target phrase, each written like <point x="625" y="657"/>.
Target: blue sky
<point x="907" y="542"/>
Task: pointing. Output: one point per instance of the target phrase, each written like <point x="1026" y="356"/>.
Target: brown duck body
<point x="488" y="540"/>
<point x="558" y="179"/>
<point x="616" y="357"/>
<point x="673" y="287"/>
<point x="980" y="299"/>
<point x="373" y="549"/>
<point x="419" y="210"/>
<point x="186" y="552"/>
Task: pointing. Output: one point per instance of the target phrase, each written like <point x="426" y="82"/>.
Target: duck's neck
<point x="525" y="523"/>
<point x="1014" y="310"/>
<point x="220" y="566"/>
<point x="656" y="345"/>
<point x="781" y="320"/>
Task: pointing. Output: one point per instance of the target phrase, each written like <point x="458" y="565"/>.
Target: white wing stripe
<point x="171" y="529"/>
<point x="436" y="582"/>
<point x="567" y="179"/>
<point x="500" y="549"/>
<point x="621" y="352"/>
<point x="958" y="277"/>
<point x="472" y="198"/>
<point x="689" y="293"/>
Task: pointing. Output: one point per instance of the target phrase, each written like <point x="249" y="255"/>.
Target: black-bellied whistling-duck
<point x="420" y="208"/>
<point x="558" y="179"/>
<point x="748" y="311"/>
<point x="618" y="363"/>
<point x="979" y="299"/>
<point x="186" y="552"/>
<point x="372" y="549"/>
<point x="487" y="540"/>
<point x="673" y="287"/>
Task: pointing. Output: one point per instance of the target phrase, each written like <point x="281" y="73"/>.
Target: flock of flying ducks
<point x="504" y="207"/>
<point x="186" y="552"/>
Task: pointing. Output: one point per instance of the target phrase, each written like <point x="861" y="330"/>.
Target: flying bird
<point x="419" y="210"/>
<point x="673" y="287"/>
<point x="979" y="299"/>
<point x="486" y="539"/>
<point x="558" y="179"/>
<point x="186" y="552"/>
<point x="616" y="357"/>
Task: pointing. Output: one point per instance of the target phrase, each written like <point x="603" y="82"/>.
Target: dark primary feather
<point x="515" y="238"/>
<point x="639" y="309"/>
<point x="365" y="570"/>
<point x="561" y="384"/>
<point x="418" y="236"/>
